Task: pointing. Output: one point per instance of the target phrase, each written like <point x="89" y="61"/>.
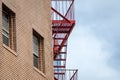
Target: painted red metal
<point x="63" y="23"/>
<point x="67" y="74"/>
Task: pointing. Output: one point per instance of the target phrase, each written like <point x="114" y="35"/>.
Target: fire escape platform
<point x="63" y="23"/>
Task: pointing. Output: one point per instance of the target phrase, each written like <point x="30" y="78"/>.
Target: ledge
<point x="10" y="50"/>
<point x="40" y="72"/>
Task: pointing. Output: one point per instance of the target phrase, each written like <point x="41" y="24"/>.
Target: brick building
<point x="26" y="40"/>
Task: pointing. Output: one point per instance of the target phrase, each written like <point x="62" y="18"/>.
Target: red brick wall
<point x="30" y="14"/>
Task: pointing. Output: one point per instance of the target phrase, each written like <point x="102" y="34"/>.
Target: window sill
<point x="10" y="50"/>
<point x="40" y="72"/>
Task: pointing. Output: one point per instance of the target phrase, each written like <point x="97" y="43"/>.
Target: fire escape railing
<point x="67" y="74"/>
<point x="62" y="24"/>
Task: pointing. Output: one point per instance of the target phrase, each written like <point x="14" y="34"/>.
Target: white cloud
<point x="94" y="43"/>
<point x="90" y="56"/>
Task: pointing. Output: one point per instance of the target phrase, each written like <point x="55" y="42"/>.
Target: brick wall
<point x="30" y="14"/>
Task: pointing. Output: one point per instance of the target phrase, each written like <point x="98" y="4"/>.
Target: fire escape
<point x="63" y="23"/>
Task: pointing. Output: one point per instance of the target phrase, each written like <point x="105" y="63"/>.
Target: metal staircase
<point x="62" y="25"/>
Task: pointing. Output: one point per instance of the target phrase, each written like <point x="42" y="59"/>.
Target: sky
<point x="94" y="44"/>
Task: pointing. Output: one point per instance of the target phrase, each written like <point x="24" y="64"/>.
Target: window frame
<point x="11" y="33"/>
<point x="41" y="57"/>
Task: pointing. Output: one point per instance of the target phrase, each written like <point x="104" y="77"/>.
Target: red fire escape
<point x="63" y="23"/>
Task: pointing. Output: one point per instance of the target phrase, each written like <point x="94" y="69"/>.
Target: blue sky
<point x="94" y="44"/>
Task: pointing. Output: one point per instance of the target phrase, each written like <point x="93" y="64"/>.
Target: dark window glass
<point x="5" y="40"/>
<point x="5" y="28"/>
<point x="35" y="51"/>
<point x="35" y="58"/>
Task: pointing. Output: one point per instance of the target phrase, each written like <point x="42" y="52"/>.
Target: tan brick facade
<point x="18" y="65"/>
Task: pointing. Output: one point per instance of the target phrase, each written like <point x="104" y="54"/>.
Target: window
<point x="38" y="52"/>
<point x="35" y="51"/>
<point x="8" y="27"/>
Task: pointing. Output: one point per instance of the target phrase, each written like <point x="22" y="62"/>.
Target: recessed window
<point x="8" y="27"/>
<point x="38" y="52"/>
